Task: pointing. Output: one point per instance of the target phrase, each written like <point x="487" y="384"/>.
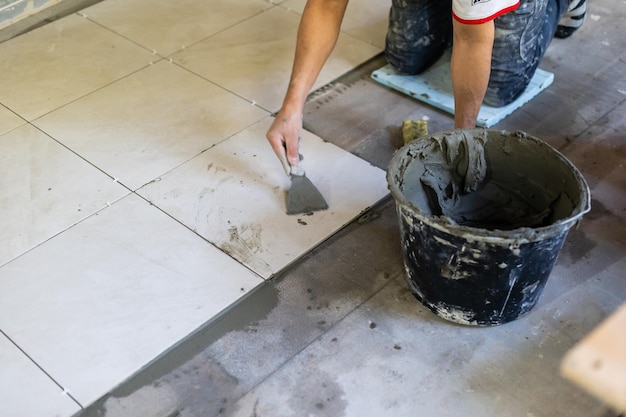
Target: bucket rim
<point x="512" y="236"/>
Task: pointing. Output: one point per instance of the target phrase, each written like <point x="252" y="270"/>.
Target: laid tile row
<point x="249" y="53"/>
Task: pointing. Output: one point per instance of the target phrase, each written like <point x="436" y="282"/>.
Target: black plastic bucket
<point x="483" y="216"/>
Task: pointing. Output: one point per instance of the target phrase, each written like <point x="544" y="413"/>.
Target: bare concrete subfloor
<point x="339" y="334"/>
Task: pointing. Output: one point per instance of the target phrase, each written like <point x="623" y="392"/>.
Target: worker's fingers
<point x="284" y="137"/>
<point x="278" y="146"/>
<point x="293" y="145"/>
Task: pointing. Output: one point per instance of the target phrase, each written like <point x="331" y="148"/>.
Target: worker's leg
<point x="573" y="19"/>
<point x="521" y="40"/>
<point x="419" y="31"/>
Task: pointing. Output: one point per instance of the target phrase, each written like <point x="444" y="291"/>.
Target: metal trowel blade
<point x="303" y="196"/>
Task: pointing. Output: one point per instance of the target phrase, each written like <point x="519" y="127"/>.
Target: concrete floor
<point x="339" y="334"/>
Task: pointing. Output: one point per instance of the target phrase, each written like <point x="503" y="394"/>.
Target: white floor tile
<point x="234" y="196"/>
<point x="45" y="190"/>
<point x="9" y="120"/>
<point x="150" y="122"/>
<point x="95" y="304"/>
<point x="254" y="58"/>
<point x="364" y="19"/>
<point x="169" y="26"/>
<point x="368" y="20"/>
<point x="62" y="61"/>
<point x="26" y="391"/>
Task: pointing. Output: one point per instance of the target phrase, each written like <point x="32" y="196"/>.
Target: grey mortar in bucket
<point x="483" y="215"/>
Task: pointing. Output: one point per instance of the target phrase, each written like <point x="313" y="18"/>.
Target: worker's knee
<point x="418" y="33"/>
<point x="496" y="97"/>
<point x="503" y="89"/>
<point x="406" y="62"/>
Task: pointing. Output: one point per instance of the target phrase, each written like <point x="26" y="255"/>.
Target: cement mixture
<point x="486" y="180"/>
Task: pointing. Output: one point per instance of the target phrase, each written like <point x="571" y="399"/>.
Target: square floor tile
<point x="45" y="190"/>
<point x="98" y="302"/>
<point x="366" y="20"/>
<point x="25" y="390"/>
<point x="254" y="58"/>
<point x="148" y="123"/>
<point x="234" y="195"/>
<point x="62" y="61"/>
<point x="9" y="120"/>
<point x="187" y="21"/>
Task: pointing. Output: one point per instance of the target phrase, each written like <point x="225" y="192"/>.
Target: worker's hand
<point x="284" y="136"/>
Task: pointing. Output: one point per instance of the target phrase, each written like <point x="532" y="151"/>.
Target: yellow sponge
<point x="413" y="129"/>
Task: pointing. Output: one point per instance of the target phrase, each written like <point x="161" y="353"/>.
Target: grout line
<point x="251" y="101"/>
<point x="130" y="191"/>
<point x="111" y="176"/>
<point x="86" y="17"/>
<point x="95" y="213"/>
<point x="47" y="239"/>
<point x="169" y="56"/>
<point x="263" y="280"/>
<point x="65" y="391"/>
<point x="24" y="121"/>
<point x="133" y="72"/>
<point x="183" y="47"/>
<point x="196" y="155"/>
<point x="8" y="6"/>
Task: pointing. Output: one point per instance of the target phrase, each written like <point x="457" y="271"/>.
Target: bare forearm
<point x="470" y="68"/>
<point x="317" y="35"/>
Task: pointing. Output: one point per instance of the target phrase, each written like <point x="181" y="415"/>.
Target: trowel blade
<point x="303" y="196"/>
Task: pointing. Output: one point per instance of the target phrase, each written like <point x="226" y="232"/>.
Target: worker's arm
<point x="470" y="68"/>
<point x="317" y="35"/>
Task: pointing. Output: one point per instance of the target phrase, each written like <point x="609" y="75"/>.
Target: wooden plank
<point x="598" y="362"/>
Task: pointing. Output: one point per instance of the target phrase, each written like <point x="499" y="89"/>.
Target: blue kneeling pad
<point x="434" y="87"/>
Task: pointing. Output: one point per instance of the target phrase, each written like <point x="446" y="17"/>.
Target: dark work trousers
<point x="421" y="30"/>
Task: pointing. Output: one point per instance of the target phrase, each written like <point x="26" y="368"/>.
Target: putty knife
<point x="303" y="196"/>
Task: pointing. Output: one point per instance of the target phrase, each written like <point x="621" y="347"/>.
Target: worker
<point x="496" y="48"/>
